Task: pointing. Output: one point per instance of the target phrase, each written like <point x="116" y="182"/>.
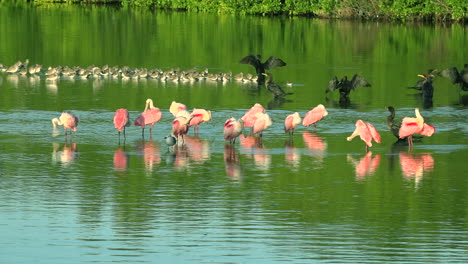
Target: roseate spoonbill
<point x="180" y="125"/>
<point x="232" y="129"/>
<point x="415" y="125"/>
<point x="273" y="87"/>
<point x="199" y="116"/>
<point x="366" y="132"/>
<point x="345" y="86"/>
<point x="121" y="120"/>
<point x="262" y="122"/>
<point x="175" y="108"/>
<point x="314" y="115"/>
<point x="249" y="117"/>
<point x="456" y="77"/>
<point x="291" y="122"/>
<point x="255" y="61"/>
<point x="150" y="116"/>
<point x="67" y="120"/>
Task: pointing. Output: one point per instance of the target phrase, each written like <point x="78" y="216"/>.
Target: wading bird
<point x="176" y="107"/>
<point x="180" y="125"/>
<point x="121" y="120"/>
<point x="262" y="122"/>
<point x="260" y="68"/>
<point x="199" y="116"/>
<point x="67" y="120"/>
<point x="250" y="116"/>
<point x="314" y="115"/>
<point x="415" y="125"/>
<point x="150" y="116"/>
<point x="291" y="122"/>
<point x="367" y="133"/>
<point x="232" y="129"/>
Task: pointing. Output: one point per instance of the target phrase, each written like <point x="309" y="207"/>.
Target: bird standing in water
<point x="456" y="77"/>
<point x="121" y="120"/>
<point x="415" y="125"/>
<point x="255" y="61"/>
<point x="314" y="115"/>
<point x="367" y="133"/>
<point x="273" y="87"/>
<point x="392" y="124"/>
<point x="180" y="125"/>
<point x="291" y="122"/>
<point x="150" y="116"/>
<point x="232" y="129"/>
<point x="199" y="116"/>
<point x="67" y="120"/>
<point x="426" y="88"/>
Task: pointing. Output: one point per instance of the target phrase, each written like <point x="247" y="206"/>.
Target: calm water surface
<point x="315" y="198"/>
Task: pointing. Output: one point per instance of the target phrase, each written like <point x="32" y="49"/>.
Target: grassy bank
<point x="428" y="10"/>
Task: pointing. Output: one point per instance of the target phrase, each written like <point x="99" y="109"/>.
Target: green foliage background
<point x="366" y="9"/>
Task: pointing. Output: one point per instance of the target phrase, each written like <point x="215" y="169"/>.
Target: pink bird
<point x="262" y="122"/>
<point x="150" y="116"/>
<point x="366" y="132"/>
<point x="233" y="129"/>
<point x="67" y="120"/>
<point x="415" y="125"/>
<point x="121" y="120"/>
<point x="180" y="125"/>
<point x="199" y="116"/>
<point x="314" y="115"/>
<point x="249" y="117"/>
<point x="175" y="108"/>
<point x="291" y="122"/>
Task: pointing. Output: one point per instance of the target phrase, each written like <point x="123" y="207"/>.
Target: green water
<point x="314" y="199"/>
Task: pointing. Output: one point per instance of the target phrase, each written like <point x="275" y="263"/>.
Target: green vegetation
<point x="430" y="10"/>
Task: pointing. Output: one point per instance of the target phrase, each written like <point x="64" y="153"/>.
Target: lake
<point x="310" y="198"/>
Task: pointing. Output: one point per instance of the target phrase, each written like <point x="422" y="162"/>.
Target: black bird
<point x="456" y="77"/>
<point x="392" y="124"/>
<point x="426" y="88"/>
<point x="345" y="86"/>
<point x="260" y="68"/>
<point x="273" y="87"/>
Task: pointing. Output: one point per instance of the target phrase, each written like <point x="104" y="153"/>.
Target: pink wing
<point x="374" y="133"/>
<point x="408" y="127"/>
<point x="197" y="119"/>
<point x="259" y="126"/>
<point x="288" y="123"/>
<point x="313" y="116"/>
<point x="427" y="130"/>
<point x="152" y="115"/>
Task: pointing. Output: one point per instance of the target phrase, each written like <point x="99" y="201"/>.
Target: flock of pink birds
<point x="256" y="118"/>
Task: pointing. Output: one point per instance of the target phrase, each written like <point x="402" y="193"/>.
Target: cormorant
<point x="393" y="125"/>
<point x="273" y="87"/>
<point x="345" y="86"/>
<point x="425" y="86"/>
<point x="456" y="77"/>
<point x="255" y="60"/>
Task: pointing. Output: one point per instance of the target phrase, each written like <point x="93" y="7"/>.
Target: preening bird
<point x="250" y="116"/>
<point x="415" y="125"/>
<point x="67" y="120"/>
<point x="460" y="78"/>
<point x="150" y="116"/>
<point x="345" y="86"/>
<point x="232" y="129"/>
<point x="199" y="116"/>
<point x="291" y="122"/>
<point x="314" y="115"/>
<point x="367" y="133"/>
<point x="260" y="68"/>
<point x="175" y="107"/>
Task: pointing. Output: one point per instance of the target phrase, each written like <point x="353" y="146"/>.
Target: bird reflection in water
<point x="198" y="149"/>
<point x="366" y="166"/>
<point x="315" y="145"/>
<point x="257" y="151"/>
<point x="151" y="154"/>
<point x="232" y="162"/>
<point x="292" y="156"/>
<point x="120" y="159"/>
<point x="66" y="156"/>
<point x="414" y="166"/>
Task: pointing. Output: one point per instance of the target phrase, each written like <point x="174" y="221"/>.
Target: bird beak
<point x="264" y="74"/>
<point x="421" y="75"/>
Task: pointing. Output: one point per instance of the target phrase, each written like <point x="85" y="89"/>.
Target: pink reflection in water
<point x="366" y="166"/>
<point x="151" y="154"/>
<point x="256" y="150"/>
<point x="232" y="162"/>
<point x="414" y="166"/>
<point x="66" y="156"/>
<point x="198" y="149"/>
<point x="292" y="156"/>
<point x="314" y="142"/>
<point x="120" y="160"/>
